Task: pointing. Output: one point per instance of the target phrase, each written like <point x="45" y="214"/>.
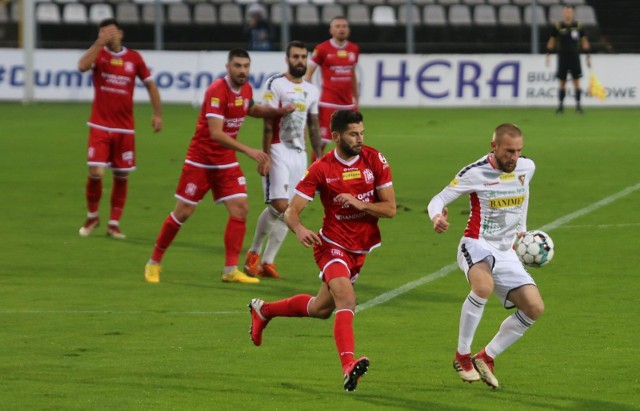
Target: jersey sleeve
<point x="142" y="71"/>
<point x="458" y="186"/>
<point x="310" y="182"/>
<point x="383" y="172"/>
<point x="272" y="96"/>
<point x="216" y="102"/>
<point x="313" y="107"/>
<point x="317" y="56"/>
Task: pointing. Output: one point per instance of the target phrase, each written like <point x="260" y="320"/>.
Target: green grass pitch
<point x="81" y="330"/>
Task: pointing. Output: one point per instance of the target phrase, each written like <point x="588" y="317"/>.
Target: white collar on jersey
<point x="119" y="53"/>
<point x="230" y="84"/>
<point x="343" y="161"/>
<point x="338" y="46"/>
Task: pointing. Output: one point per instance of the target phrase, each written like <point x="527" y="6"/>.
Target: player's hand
<point x="347" y="200"/>
<point x="156" y="123"/>
<point x="440" y="223"/>
<point x="263" y="168"/>
<point x="106" y="34"/>
<point x="307" y="237"/>
<point x="589" y="61"/>
<point x="289" y="108"/>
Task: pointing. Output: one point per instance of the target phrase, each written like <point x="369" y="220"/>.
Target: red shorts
<point x="324" y="121"/>
<point x="224" y="183"/>
<point x="111" y="149"/>
<point x="327" y="254"/>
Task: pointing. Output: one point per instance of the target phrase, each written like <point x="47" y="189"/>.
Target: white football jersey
<point x="290" y="129"/>
<point x="498" y="200"/>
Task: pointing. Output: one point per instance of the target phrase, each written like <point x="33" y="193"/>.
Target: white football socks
<point x="268" y="217"/>
<point x="470" y="317"/>
<point x="277" y="234"/>
<point x="511" y="330"/>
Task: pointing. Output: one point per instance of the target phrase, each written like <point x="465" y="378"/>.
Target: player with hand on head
<point x="211" y="164"/>
<point x="498" y="189"/>
<point x="111" y="126"/>
<point x="356" y="190"/>
<point x="337" y="59"/>
<point x="284" y="140"/>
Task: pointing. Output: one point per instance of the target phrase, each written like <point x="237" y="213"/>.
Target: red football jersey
<point x="337" y="69"/>
<point x="348" y="228"/>
<point x="222" y="101"/>
<point x="114" y="78"/>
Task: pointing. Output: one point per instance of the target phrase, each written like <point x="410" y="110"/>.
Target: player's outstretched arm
<point x="264" y="111"/>
<point x="292" y="218"/>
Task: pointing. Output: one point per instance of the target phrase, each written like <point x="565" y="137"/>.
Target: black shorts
<point x="569" y="64"/>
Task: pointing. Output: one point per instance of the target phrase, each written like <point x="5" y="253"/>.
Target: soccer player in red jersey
<point x="337" y="59"/>
<point x="356" y="190"/>
<point x="111" y="129"/>
<point x="211" y="164"/>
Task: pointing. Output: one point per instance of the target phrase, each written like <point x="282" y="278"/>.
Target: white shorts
<point x="287" y="168"/>
<point x="506" y="269"/>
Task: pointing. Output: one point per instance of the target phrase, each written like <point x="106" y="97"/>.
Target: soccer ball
<point x="535" y="248"/>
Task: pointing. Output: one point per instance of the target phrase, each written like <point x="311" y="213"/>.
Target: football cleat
<point x="152" y="272"/>
<point x="354" y="371"/>
<point x="484" y="365"/>
<point x="269" y="270"/>
<point x="252" y="264"/>
<point x="464" y="367"/>
<point x="113" y="231"/>
<point x="88" y="226"/>
<point x="258" y="321"/>
<point x="237" y="276"/>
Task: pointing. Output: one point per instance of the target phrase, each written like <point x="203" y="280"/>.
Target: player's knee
<point x="183" y="211"/>
<point x="535" y="310"/>
<point x="323" y="314"/>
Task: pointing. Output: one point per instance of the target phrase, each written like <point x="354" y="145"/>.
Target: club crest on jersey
<point x="521" y="179"/>
<point x="351" y="175"/>
<point x="368" y="176"/>
<point x="129" y="67"/>
<point x="382" y="158"/>
<point x="215" y="102"/>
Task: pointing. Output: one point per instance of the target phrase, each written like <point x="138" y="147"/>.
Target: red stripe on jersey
<point x="473" y="224"/>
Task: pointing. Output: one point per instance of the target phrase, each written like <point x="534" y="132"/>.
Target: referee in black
<point x="568" y="38"/>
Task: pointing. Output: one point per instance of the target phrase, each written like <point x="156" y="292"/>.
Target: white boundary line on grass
<point x="383" y="298"/>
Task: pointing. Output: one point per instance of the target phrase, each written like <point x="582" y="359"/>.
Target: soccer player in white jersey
<point x="498" y="189"/>
<point x="284" y="140"/>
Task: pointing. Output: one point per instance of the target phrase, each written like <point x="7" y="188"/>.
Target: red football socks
<point x="233" y="238"/>
<point x="168" y="232"/>
<point x="93" y="192"/>
<point x="295" y="306"/>
<point x="343" y="334"/>
<point x="118" y="197"/>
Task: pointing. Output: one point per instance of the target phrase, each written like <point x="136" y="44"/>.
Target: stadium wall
<point x="386" y="80"/>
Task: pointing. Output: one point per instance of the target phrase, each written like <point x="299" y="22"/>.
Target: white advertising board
<point x="390" y="80"/>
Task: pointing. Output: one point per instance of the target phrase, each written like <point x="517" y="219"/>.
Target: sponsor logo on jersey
<point x="506" y="202"/>
<point x="301" y="106"/>
<point x="507" y="177"/>
<point x="215" y="102"/>
<point x="521" y="179"/>
<point x="342" y="53"/>
<point x="297" y="89"/>
<point x="453" y="182"/>
<point x="331" y="179"/>
<point x="268" y="96"/>
<point x="368" y="176"/>
<point x="117" y="62"/>
<point x="239" y="102"/>
<point x="351" y="175"/>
